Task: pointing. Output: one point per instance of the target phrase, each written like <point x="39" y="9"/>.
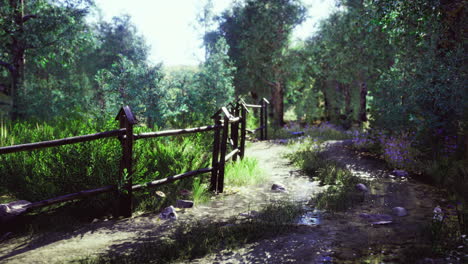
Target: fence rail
<point x="227" y="125"/>
<point x="61" y="142"/>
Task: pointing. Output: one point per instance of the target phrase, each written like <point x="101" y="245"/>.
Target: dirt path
<point x="101" y="236"/>
<point x="347" y="237"/>
<point x="341" y="238"/>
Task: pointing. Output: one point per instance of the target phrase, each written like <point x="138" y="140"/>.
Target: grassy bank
<point x="340" y="193"/>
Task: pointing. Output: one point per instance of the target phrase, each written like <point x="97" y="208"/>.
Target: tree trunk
<point x="347" y="97"/>
<point x="17" y="50"/>
<point x="326" y="101"/>
<point x="278" y="104"/>
<point x="363" y="102"/>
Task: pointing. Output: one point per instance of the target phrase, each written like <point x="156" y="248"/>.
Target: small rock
<point x="399" y="211"/>
<point x="168" y="213"/>
<point x="184" y="204"/>
<point x="250" y="214"/>
<point x="381" y="223"/>
<point x="438" y="214"/>
<point x="400" y="173"/>
<point x="160" y="194"/>
<point x="10" y="210"/>
<point x="277" y="187"/>
<point x="361" y="187"/>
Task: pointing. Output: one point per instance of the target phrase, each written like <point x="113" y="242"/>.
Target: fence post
<point x="222" y="157"/>
<point x="215" y="159"/>
<point x="265" y="104"/>
<point x="243" y="131"/>
<point x="126" y="120"/>
<point x="235" y="131"/>
<point x="261" y="120"/>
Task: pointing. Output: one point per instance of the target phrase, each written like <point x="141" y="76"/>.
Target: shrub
<point x="398" y="152"/>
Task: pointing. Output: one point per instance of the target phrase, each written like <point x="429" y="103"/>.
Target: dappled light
<point x="246" y="131"/>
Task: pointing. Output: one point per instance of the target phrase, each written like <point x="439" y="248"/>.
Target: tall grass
<point x="46" y="173"/>
<point x="244" y="172"/>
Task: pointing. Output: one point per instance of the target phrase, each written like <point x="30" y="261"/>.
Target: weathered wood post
<point x="235" y="131"/>
<point x="126" y="120"/>
<point x="262" y="136"/>
<point x="265" y="104"/>
<point x="243" y="129"/>
<point x="215" y="159"/>
<point x="222" y="161"/>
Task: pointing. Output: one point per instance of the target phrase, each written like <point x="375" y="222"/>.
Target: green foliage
<point x="258" y="33"/>
<point x="243" y="172"/>
<point x="450" y="173"/>
<point x="50" y="172"/>
<point x="193" y="96"/>
<point x="136" y="85"/>
<point x="36" y="36"/>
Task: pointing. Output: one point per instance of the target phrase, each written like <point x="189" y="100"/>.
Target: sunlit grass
<point x="243" y="172"/>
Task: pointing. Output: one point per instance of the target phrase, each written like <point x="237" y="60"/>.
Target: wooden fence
<point x="229" y="126"/>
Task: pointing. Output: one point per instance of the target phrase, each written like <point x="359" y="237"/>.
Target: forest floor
<point x="335" y="238"/>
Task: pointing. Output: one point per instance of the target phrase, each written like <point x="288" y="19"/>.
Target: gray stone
<point x="277" y="187"/>
<point x="251" y="214"/>
<point x="382" y="223"/>
<point x="10" y="210"/>
<point x="400" y="173"/>
<point x="399" y="211"/>
<point x="361" y="187"/>
<point x="184" y="204"/>
<point x="169" y="213"/>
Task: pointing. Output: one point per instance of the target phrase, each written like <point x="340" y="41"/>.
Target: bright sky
<point x="169" y="25"/>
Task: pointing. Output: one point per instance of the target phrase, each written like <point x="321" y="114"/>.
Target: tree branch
<point x="27" y="17"/>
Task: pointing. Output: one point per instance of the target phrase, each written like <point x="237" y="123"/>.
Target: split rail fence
<point x="230" y="128"/>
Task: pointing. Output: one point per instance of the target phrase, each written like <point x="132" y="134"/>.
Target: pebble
<point x="361" y="187"/>
<point x="399" y="211"/>
<point x="277" y="187"/>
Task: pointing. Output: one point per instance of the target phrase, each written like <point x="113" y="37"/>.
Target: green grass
<point x="199" y="238"/>
<point x="244" y="172"/>
<point x="340" y="193"/>
<point x="46" y="173"/>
